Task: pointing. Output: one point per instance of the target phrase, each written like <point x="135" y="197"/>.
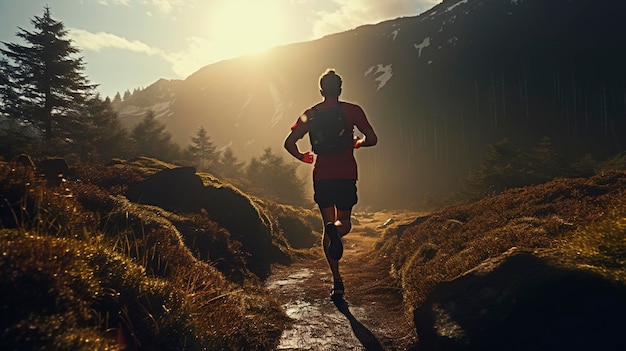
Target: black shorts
<point x="340" y="193"/>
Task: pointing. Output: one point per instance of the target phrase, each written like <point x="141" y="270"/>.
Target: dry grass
<point x="301" y="227"/>
<point x="579" y="218"/>
<point x="84" y="269"/>
<point x="601" y="246"/>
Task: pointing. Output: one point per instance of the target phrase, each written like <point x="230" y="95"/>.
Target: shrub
<point x="113" y="179"/>
<point x="601" y="246"/>
<point x="455" y="239"/>
<point x="297" y="224"/>
<point x="87" y="270"/>
<point x="509" y="167"/>
<point x="272" y="178"/>
<point x="211" y="243"/>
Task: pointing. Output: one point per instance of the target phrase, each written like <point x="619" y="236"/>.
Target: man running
<point x="335" y="169"/>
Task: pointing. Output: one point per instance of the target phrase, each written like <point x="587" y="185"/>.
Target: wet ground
<point x="369" y="318"/>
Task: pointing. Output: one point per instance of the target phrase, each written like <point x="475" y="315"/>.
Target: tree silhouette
<point x="43" y="85"/>
<point x="499" y="171"/>
<point x="150" y="139"/>
<point x="511" y="167"/>
<point x="117" y="99"/>
<point x="202" y="150"/>
<point x="546" y="162"/>
<point x="229" y="166"/>
<point x="276" y="179"/>
<point x="104" y="137"/>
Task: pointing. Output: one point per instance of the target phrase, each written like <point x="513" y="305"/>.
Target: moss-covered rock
<point x="181" y="190"/>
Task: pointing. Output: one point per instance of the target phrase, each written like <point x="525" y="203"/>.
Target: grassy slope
<point x="82" y="268"/>
<point x="86" y="269"/>
<point x="581" y="221"/>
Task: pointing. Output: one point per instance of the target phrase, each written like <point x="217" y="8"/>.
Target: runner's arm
<point x="360" y="120"/>
<point x="297" y="132"/>
<point x="369" y="139"/>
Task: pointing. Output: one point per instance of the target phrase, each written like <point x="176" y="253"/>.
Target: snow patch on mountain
<point x="245" y="104"/>
<point x="382" y="74"/>
<point x="452" y="7"/>
<point x="279" y="113"/>
<point x="229" y="145"/>
<point x="431" y="14"/>
<point x="394" y="34"/>
<point x="131" y="110"/>
<point x="279" y="104"/>
<point x="425" y="43"/>
<point x="161" y="108"/>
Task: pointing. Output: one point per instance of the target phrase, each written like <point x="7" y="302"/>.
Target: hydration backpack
<point x="328" y="130"/>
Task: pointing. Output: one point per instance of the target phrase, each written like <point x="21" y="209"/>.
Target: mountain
<point x="438" y="89"/>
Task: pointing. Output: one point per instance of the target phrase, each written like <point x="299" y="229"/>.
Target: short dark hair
<point x="330" y="82"/>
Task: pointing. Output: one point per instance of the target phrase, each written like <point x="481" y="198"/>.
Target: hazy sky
<point x="130" y="44"/>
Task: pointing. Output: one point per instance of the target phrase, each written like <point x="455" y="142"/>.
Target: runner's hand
<point x="357" y="143"/>
<point x="307" y="157"/>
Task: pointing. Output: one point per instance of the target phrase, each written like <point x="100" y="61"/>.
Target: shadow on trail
<point x="366" y="337"/>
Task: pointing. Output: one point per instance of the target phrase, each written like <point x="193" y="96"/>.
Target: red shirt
<point x="341" y="165"/>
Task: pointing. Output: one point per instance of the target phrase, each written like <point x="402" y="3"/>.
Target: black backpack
<point x="328" y="130"/>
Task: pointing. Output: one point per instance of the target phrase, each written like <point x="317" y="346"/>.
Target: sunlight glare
<point x="246" y="26"/>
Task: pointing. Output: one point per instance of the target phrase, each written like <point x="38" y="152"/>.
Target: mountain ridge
<point x="438" y="88"/>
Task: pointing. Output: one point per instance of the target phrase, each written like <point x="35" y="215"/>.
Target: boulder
<point x="523" y="301"/>
<point x="177" y="190"/>
<point x="180" y="190"/>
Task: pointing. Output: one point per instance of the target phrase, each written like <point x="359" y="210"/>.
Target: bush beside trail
<point x="83" y="268"/>
<point x="571" y="225"/>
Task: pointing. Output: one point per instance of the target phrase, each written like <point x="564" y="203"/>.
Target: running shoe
<point x="337" y="290"/>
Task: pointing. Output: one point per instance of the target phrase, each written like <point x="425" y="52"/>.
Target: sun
<point x="246" y="26"/>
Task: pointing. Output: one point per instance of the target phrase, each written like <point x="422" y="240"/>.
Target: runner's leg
<point x="343" y="222"/>
<point x="329" y="214"/>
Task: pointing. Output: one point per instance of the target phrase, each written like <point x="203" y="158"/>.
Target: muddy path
<point x="369" y="318"/>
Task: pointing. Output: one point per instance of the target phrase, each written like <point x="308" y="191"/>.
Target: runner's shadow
<point x="367" y="339"/>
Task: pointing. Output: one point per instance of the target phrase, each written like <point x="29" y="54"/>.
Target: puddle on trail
<point x="315" y="334"/>
<point x="317" y="323"/>
<point x="299" y="309"/>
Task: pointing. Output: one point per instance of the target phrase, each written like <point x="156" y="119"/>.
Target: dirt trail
<point x="370" y="318"/>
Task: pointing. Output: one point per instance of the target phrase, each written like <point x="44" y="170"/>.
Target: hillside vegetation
<point x="565" y="244"/>
<point x="84" y="268"/>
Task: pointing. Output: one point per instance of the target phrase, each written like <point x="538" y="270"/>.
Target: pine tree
<point x="8" y="90"/>
<point x="229" y="165"/>
<point x="151" y="140"/>
<point x="276" y="179"/>
<point x="104" y="137"/>
<point x="547" y="163"/>
<point x="117" y="99"/>
<point x="506" y="167"/>
<point x="202" y="151"/>
<point x="15" y="138"/>
<point x="43" y="84"/>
